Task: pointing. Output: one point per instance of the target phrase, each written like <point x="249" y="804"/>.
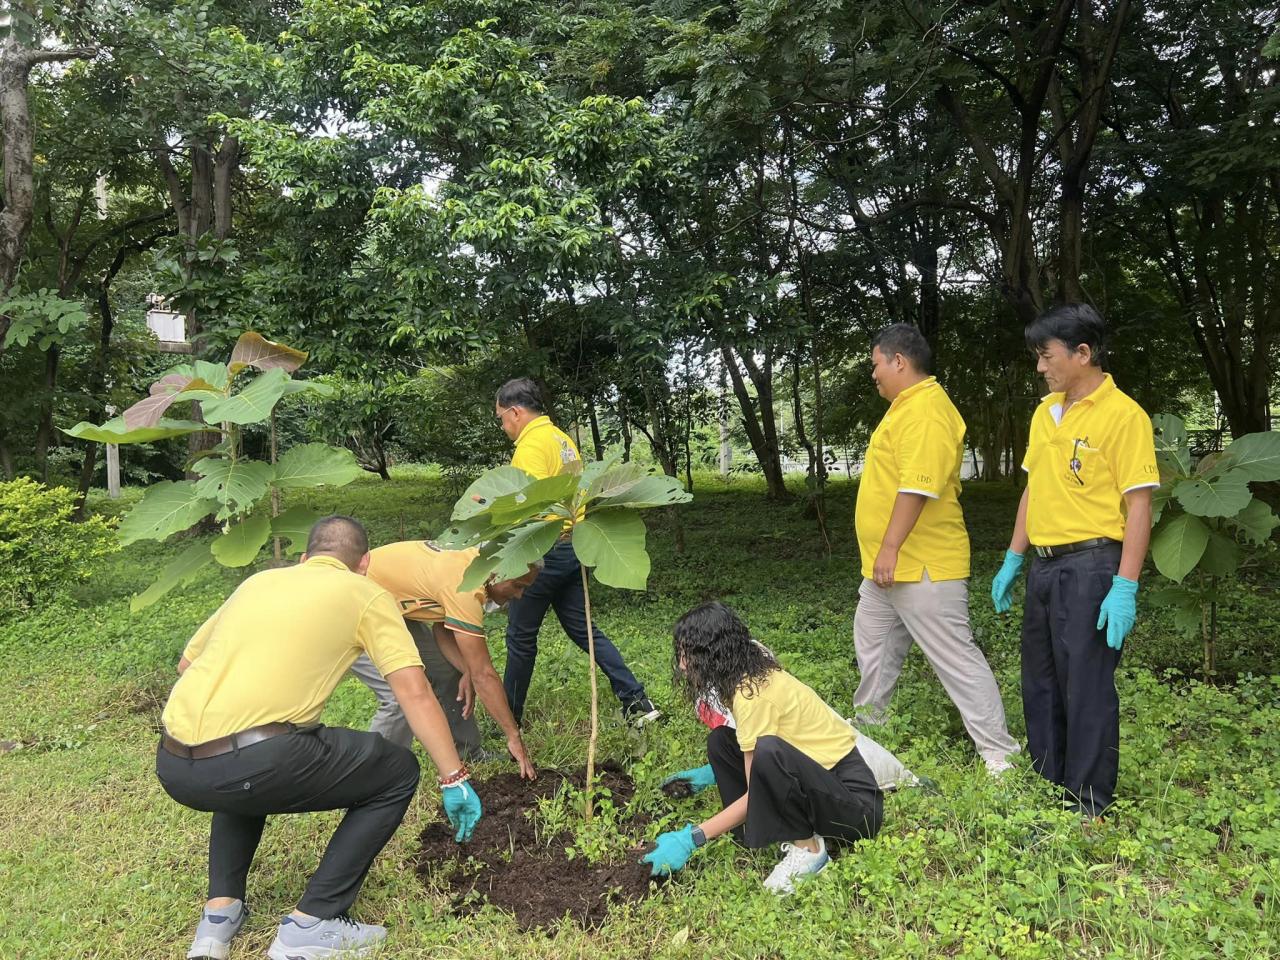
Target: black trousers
<point x="1068" y="677"/>
<point x="794" y="797"/>
<point x="319" y="769"/>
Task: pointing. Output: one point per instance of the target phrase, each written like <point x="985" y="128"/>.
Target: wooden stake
<point x="595" y="697"/>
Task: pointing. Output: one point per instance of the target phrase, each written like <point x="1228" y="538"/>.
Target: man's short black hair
<point x="1075" y="324"/>
<point x="343" y="537"/>
<point x="907" y="340"/>
<point x="521" y="392"/>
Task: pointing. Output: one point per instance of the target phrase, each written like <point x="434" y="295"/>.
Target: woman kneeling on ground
<point x="790" y="772"/>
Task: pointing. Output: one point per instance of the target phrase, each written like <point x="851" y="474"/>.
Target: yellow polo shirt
<point x="1081" y="463"/>
<point x="917" y="448"/>
<point x="275" y="650"/>
<point x="423" y="579"/>
<point x="544" y="450"/>
<point x="784" y="707"/>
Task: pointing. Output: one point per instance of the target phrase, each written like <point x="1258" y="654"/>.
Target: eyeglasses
<point x="502" y="412"/>
<point x="1075" y="463"/>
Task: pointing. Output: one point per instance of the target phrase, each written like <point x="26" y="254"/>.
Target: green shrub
<point x="41" y="547"/>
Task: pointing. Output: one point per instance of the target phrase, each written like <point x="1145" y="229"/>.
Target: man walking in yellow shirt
<point x="242" y="739"/>
<point x="915" y="549"/>
<point x="543" y="450"/>
<point x="1086" y="513"/>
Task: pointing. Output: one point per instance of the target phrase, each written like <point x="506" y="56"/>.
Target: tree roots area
<point x="525" y="857"/>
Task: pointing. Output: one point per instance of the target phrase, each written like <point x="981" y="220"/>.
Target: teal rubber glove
<point x="673" y="851"/>
<point x="1119" y="611"/>
<point x="697" y="779"/>
<point x="462" y="807"/>
<point x="1002" y="585"/>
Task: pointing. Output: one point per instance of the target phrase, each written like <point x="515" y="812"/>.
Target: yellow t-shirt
<point x="917" y="448"/>
<point x="1081" y="464"/>
<point x="544" y="450"/>
<point x="274" y="651"/>
<point x="784" y="707"/>
<point x="423" y="579"/>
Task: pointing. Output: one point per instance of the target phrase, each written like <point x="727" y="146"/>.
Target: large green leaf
<point x="314" y="465"/>
<point x="656" y="490"/>
<point x="240" y="544"/>
<point x="1256" y="456"/>
<point x="1224" y="496"/>
<point x="612" y="541"/>
<point x="294" y="525"/>
<point x="1160" y="499"/>
<point x="533" y="500"/>
<point x="1256" y="521"/>
<point x="614" y="480"/>
<point x="469" y="532"/>
<point x="1221" y="555"/>
<point x="115" y="431"/>
<point x="183" y="567"/>
<point x="166" y="508"/>
<point x="1178" y="546"/>
<point x="1172" y="450"/>
<point x="513" y="554"/>
<point x="236" y="484"/>
<point x="253" y="404"/>
<point x="488" y="487"/>
<point x="255" y="350"/>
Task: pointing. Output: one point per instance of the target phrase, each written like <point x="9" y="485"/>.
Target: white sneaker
<point x="796" y="862"/>
<point x="998" y="766"/>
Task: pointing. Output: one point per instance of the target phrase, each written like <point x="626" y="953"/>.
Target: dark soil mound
<point x="507" y="864"/>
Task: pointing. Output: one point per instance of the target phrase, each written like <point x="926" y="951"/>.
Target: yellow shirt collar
<point x="912" y="390"/>
<point x="543" y="420"/>
<point x="326" y="561"/>
<point x="1108" y="385"/>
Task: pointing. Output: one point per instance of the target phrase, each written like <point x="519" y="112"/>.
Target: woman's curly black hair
<point x="718" y="654"/>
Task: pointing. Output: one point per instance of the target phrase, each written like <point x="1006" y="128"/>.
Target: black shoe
<point x="639" y="713"/>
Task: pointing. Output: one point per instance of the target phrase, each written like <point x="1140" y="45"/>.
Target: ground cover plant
<point x="95" y="861"/>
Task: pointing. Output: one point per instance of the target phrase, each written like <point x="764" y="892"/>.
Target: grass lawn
<point x="96" y="861"/>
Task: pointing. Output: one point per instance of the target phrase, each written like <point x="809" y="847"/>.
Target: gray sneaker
<point x="320" y="939"/>
<point x="215" y="931"/>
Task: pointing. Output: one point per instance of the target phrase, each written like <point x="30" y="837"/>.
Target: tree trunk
<point x="18" y="207"/>
<point x="589" y="790"/>
<point x="761" y="430"/>
<point x="595" y="427"/>
<point x="44" y="430"/>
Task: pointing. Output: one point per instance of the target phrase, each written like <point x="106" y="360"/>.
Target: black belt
<point x="1046" y="553"/>
<point x="216" y="748"/>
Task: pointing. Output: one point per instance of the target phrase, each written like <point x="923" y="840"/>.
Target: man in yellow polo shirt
<point x="1086" y="512"/>
<point x="447" y="625"/>
<point x="543" y="450"/>
<point x="242" y="738"/>
<point x="915" y="549"/>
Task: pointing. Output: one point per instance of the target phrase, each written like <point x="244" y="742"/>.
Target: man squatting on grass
<point x="1086" y="512"/>
<point x="790" y="772"/>
<point x="915" y="549"/>
<point x="447" y="626"/>
<point x="242" y="739"/>
<point x="544" y="450"/>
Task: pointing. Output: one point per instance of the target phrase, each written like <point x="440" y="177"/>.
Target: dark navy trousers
<point x="558" y="587"/>
<point x="1069" y="695"/>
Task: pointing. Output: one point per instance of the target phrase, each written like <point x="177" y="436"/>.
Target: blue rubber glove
<point x="674" y="849"/>
<point x="699" y="778"/>
<point x="1119" y="611"/>
<point x="462" y="807"/>
<point x="1002" y="585"/>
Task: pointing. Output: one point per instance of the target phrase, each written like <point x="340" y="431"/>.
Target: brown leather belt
<point x="235" y="741"/>
<point x="1046" y="553"/>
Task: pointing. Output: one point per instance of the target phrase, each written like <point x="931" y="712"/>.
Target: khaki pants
<point x="934" y="615"/>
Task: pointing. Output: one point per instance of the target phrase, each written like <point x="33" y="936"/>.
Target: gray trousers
<point x="443" y="676"/>
<point x="935" y="615"/>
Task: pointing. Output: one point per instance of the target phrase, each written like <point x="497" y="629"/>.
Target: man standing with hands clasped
<point x="915" y="549"/>
<point x="1086" y="512"/>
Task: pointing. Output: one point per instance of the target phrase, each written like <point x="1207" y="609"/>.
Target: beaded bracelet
<point x="461" y="775"/>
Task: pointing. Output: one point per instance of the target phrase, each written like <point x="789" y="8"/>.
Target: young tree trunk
<point x="44" y="430"/>
<point x="595" y="427"/>
<point x="595" y="700"/>
<point x="761" y="429"/>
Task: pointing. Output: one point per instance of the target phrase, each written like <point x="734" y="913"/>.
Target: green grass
<point x="96" y="862"/>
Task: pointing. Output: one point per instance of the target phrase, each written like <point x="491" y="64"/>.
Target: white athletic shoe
<point x="997" y="766"/>
<point x="796" y="862"/>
